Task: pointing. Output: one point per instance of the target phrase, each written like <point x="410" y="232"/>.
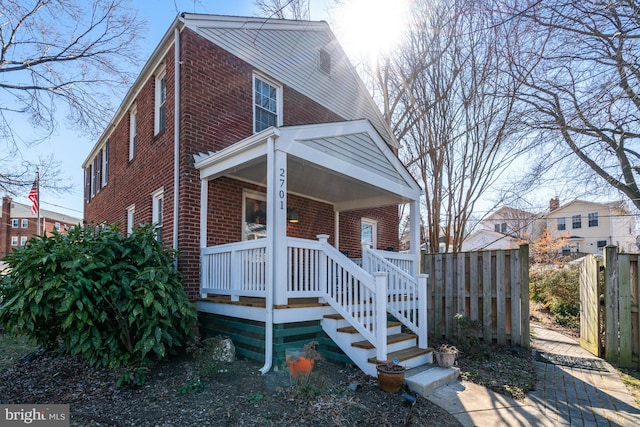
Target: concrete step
<point x="423" y="380"/>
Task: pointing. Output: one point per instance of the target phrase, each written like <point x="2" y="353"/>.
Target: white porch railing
<point x="406" y="294"/>
<point x="317" y="269"/>
<point x="236" y="269"/>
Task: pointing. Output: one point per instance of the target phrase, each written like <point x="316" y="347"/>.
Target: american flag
<point x="33" y="196"/>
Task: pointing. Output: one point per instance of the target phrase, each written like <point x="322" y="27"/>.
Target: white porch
<point x="348" y="166"/>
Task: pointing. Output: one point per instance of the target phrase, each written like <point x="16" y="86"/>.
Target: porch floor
<point x="260" y="302"/>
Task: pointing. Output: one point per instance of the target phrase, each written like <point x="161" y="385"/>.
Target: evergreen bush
<point x="558" y="289"/>
<point x="116" y="301"/>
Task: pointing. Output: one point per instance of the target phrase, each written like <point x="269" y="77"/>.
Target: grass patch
<point x="631" y="379"/>
<point x="13" y="349"/>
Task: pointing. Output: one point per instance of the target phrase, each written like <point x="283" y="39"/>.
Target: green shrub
<point x="558" y="289"/>
<point x="116" y="301"/>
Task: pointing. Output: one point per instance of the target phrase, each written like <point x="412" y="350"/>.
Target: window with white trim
<point x="25" y="223"/>
<point x="23" y="240"/>
<point x="56" y="226"/>
<point x="593" y="219"/>
<point x="105" y="164"/>
<point x="267" y="104"/>
<point x="254" y="215"/>
<point x="576" y="221"/>
<point x="131" y="210"/>
<point x="132" y="133"/>
<point x="15" y="223"/>
<point x="157" y="212"/>
<point x="562" y="223"/>
<point x="369" y="232"/>
<point x="160" y="113"/>
<point x="14" y="240"/>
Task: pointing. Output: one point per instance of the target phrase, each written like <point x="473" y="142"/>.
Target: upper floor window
<point x="562" y="223"/>
<point x="325" y="62"/>
<point x="501" y="228"/>
<point x="157" y="212"/>
<point x="15" y="223"/>
<point x="25" y="223"/>
<point x="56" y="226"/>
<point x="160" y="103"/>
<point x="576" y="221"/>
<point x="593" y="219"/>
<point x="105" y="164"/>
<point x="132" y="133"/>
<point x="267" y="104"/>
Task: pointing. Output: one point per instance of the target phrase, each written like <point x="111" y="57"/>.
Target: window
<point x="266" y="101"/>
<point x="157" y="212"/>
<point x="601" y="245"/>
<point x="93" y="176"/>
<point x="369" y="232"/>
<point x="23" y="240"/>
<point x="131" y="210"/>
<point x="576" y="221"/>
<point x="501" y="228"/>
<point x="562" y="224"/>
<point x="325" y="62"/>
<point x="160" y="120"/>
<point x="56" y="226"/>
<point x="98" y="171"/>
<point x="593" y="219"/>
<point x="14" y="240"/>
<point x="25" y="223"/>
<point x="132" y="133"/>
<point x="15" y="223"/>
<point x="105" y="164"/>
<point x="87" y="178"/>
<point x="254" y="216"/>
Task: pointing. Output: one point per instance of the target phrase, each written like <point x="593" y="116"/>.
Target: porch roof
<point x="346" y="164"/>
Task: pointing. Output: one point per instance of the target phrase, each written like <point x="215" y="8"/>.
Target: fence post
<point x="323" y="277"/>
<point x="422" y="311"/>
<point x="624" y="311"/>
<point x="381" y="315"/>
<point x="611" y="303"/>
<point x="524" y="297"/>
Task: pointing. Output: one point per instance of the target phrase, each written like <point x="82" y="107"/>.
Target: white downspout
<point x="176" y="135"/>
<point x="268" y="324"/>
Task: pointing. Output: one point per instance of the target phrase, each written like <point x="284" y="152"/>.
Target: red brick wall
<point x="350" y="231"/>
<point x="215" y="112"/>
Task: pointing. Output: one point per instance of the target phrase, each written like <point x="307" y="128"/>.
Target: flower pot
<point x="390" y="379"/>
<point x="298" y="362"/>
<point x="445" y="360"/>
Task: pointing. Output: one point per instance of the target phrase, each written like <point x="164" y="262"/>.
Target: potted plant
<point x="301" y="360"/>
<point x="446" y="355"/>
<point x="390" y="376"/>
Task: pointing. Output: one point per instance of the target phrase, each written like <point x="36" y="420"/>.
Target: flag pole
<point x="38" y="192"/>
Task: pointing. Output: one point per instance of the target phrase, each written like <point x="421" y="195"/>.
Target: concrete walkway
<point x="564" y="396"/>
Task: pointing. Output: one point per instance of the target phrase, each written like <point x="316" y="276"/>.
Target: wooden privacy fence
<point x="491" y="287"/>
<point x="614" y="325"/>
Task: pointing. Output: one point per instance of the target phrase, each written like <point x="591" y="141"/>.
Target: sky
<point x="70" y="148"/>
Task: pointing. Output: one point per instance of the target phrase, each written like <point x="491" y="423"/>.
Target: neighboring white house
<point x="506" y="228"/>
<point x="591" y="226"/>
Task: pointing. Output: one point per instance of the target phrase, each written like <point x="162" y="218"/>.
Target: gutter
<point x="176" y="135"/>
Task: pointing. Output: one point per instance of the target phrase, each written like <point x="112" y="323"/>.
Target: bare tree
<point x="58" y="53"/>
<point x="580" y="65"/>
<point x="452" y="110"/>
<point x="284" y="9"/>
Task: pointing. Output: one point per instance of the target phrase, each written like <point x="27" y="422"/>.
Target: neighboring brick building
<point x="18" y="224"/>
<point x="130" y="176"/>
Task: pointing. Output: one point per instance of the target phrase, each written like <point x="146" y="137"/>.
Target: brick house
<point x="255" y="147"/>
<point x="18" y="224"/>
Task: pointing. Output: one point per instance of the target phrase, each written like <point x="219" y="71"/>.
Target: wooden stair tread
<point x="402" y="355"/>
<point x="353" y="330"/>
<point x="391" y="339"/>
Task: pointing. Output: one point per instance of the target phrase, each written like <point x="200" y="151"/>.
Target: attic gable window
<point x="267" y="100"/>
<point x="325" y="62"/>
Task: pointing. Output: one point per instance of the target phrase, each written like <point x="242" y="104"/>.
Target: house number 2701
<point x="281" y="193"/>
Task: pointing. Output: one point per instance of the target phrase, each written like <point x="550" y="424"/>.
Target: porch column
<point x="204" y="268"/>
<point x="414" y="229"/>
<point x="277" y="227"/>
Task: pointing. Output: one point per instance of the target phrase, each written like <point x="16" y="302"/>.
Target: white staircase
<point x="400" y="345"/>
